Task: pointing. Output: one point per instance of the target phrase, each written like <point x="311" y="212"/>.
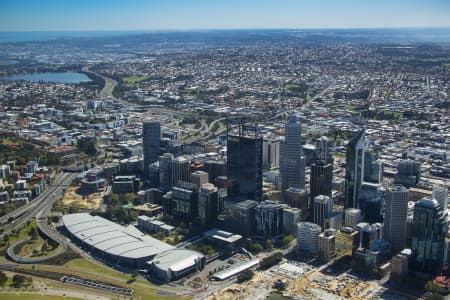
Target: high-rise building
<point x="373" y="167"/>
<point x="396" y="214"/>
<point x="298" y="198"/>
<point x="429" y="230"/>
<point x="408" y="173"/>
<point x="268" y="217"/>
<point x="242" y="218"/>
<point x="440" y="193"/>
<point x="179" y="170"/>
<point x="371" y="201"/>
<point x="308" y="237"/>
<point x="292" y="159"/>
<point x="271" y="152"/>
<point x="151" y="135"/>
<point x="354" y="169"/>
<point x="199" y="178"/>
<point x="208" y="204"/>
<point x="244" y="164"/>
<point x="352" y="217"/>
<point x="327" y="244"/>
<point x="323" y="208"/>
<point x="291" y="216"/>
<point x="321" y="181"/>
<point x="324" y="149"/>
<point x="184" y="202"/>
<point x="165" y="172"/>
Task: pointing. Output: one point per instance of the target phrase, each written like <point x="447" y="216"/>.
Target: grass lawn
<point x="134" y="79"/>
<point x="14" y="296"/>
<point x="143" y="288"/>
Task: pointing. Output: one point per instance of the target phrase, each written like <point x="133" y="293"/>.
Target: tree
<point x="268" y="244"/>
<point x="287" y="240"/>
<point x="3" y="278"/>
<point x="33" y="233"/>
<point x="245" y="275"/>
<point x="20" y="280"/>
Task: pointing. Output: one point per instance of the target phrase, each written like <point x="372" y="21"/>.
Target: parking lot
<point x="99" y="286"/>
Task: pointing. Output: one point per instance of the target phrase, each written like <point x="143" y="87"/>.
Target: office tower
<point x="199" y="178"/>
<point x="291" y="216"/>
<point x="352" y="217"/>
<point x="268" y="217"/>
<point x="271" y="151"/>
<point x="396" y="213"/>
<point x="408" y="173"/>
<point x="165" y="173"/>
<point x="298" y="198"/>
<point x="184" y="202"/>
<point x="215" y="168"/>
<point x="208" y="204"/>
<point x="244" y="165"/>
<point x="179" y="170"/>
<point x="368" y="233"/>
<point x="323" y="207"/>
<point x="151" y="135"/>
<point x="371" y="201"/>
<point x="399" y="266"/>
<point x="324" y="149"/>
<point x="373" y="167"/>
<point x="354" y="169"/>
<point x="242" y="218"/>
<point x="153" y="175"/>
<point x="308" y="237"/>
<point x="429" y="230"/>
<point x="292" y="159"/>
<point x="440" y="193"/>
<point x="327" y="244"/>
<point x="321" y="178"/>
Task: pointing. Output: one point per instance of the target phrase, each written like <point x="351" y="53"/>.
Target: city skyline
<point x="100" y="15"/>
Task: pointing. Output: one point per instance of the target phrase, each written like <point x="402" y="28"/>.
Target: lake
<point x="57" y="77"/>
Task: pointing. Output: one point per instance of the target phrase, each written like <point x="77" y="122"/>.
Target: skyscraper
<point x="321" y="178"/>
<point x="323" y="207"/>
<point x="179" y="170"/>
<point x="208" y="204"/>
<point x="396" y="213"/>
<point x="429" y="230"/>
<point x="292" y="159"/>
<point x="151" y="135"/>
<point x="308" y="237"/>
<point x="440" y="193"/>
<point x="324" y="148"/>
<point x="244" y="163"/>
<point x="354" y="169"/>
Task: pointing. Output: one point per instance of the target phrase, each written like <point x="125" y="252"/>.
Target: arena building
<point x="121" y="245"/>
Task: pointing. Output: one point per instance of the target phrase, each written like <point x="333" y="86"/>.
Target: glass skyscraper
<point x="292" y="159"/>
<point x="151" y="135"/>
<point x="354" y="169"/>
<point x="244" y="164"/>
<point x="429" y="230"/>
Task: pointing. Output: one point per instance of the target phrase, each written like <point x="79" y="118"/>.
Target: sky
<point x="62" y="15"/>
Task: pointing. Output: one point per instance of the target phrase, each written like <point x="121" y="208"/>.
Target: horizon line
<point x="229" y="29"/>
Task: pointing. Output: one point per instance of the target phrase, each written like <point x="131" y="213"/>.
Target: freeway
<point x="58" y="184"/>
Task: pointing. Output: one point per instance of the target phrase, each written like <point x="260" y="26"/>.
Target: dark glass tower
<point x="321" y="181"/>
<point x="244" y="164"/>
<point x="354" y="169"/>
<point x="151" y="135"/>
<point x="429" y="230"/>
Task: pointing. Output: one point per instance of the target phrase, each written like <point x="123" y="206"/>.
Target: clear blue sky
<point x="36" y="15"/>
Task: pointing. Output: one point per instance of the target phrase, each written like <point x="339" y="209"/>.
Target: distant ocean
<point x="39" y="36"/>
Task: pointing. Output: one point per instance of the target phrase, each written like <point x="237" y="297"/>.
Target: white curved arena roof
<point x="111" y="238"/>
